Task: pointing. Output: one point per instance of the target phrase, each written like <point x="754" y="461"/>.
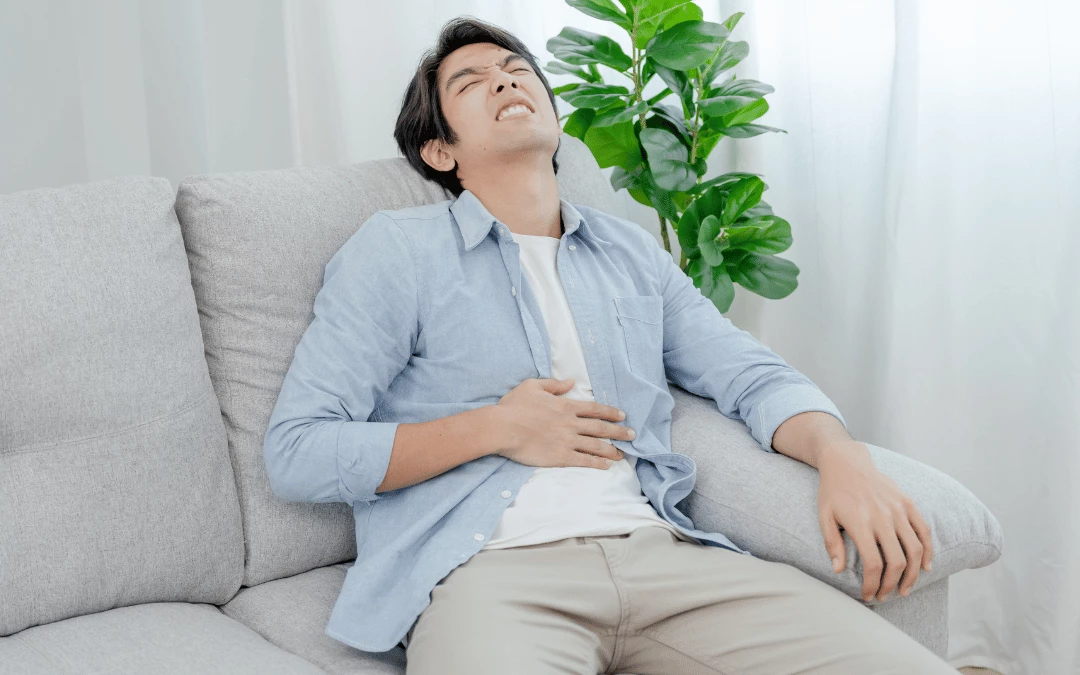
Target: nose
<point x="503" y="78"/>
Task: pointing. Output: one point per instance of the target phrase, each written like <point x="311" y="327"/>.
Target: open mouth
<point x="513" y="110"/>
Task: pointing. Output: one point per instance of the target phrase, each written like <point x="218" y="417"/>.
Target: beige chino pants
<point x="648" y="603"/>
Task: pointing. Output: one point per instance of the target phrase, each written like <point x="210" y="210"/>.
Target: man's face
<point x="497" y="106"/>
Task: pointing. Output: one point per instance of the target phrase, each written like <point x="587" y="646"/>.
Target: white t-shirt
<point x="569" y="501"/>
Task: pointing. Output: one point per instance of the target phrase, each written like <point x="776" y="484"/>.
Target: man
<point x="485" y="382"/>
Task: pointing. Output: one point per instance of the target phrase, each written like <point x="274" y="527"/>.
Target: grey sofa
<point x="144" y="335"/>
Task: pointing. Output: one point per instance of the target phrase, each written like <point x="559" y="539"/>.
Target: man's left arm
<point x="707" y="355"/>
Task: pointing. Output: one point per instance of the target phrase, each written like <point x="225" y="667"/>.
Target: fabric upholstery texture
<point x="159" y="638"/>
<point x="115" y="482"/>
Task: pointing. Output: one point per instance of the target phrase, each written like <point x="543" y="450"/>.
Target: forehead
<point x="478" y="54"/>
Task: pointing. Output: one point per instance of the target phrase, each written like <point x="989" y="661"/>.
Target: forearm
<point x="805" y="436"/>
<point x="424" y="450"/>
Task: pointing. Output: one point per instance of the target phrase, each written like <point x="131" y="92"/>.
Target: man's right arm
<point x="319" y="446"/>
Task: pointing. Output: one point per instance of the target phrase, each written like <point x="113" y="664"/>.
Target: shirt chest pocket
<point x="642" y="320"/>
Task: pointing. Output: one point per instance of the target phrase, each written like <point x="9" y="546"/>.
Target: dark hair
<point x="421" y="117"/>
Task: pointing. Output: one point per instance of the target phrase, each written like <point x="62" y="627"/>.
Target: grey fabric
<point x="924" y="615"/>
<point x="292" y="613"/>
<point x="159" y="638"/>
<point x="257" y="244"/>
<point x="767" y="503"/>
<point x="115" y="481"/>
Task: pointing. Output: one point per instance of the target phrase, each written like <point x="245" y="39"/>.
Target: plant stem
<point x="664" y="234"/>
<point x="637" y="59"/>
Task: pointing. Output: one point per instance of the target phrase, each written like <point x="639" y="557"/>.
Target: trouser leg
<point x="705" y="610"/>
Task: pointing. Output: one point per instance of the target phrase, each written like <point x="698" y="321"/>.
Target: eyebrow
<point x="474" y="70"/>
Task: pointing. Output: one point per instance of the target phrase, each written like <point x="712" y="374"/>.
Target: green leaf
<point x="710" y="249"/>
<point x="621" y="178"/>
<point x="677" y="82"/>
<point x="668" y="159"/>
<point x="763" y="234"/>
<point x="658" y="197"/>
<point x="619" y="113"/>
<point x="561" y="68"/>
<point x="694" y="269"/>
<point x="686" y="45"/>
<point x="595" y="96"/>
<point x="614" y="145"/>
<point x="742" y="195"/>
<point x="602" y="9"/>
<point x="747" y="114"/>
<point x="722" y="291"/>
<point x="710" y="202"/>
<point x="724" y="181"/>
<point x="767" y="275"/>
<point x="580" y="47"/>
<point x="747" y="130"/>
<point x="655" y="15"/>
<point x="761" y="209"/>
<point x="731" y="53"/>
<point x="751" y="88"/>
<point x="666" y="117"/>
<point x="718" y="106"/>
<point x="578" y="122"/>
<point x="565" y="87"/>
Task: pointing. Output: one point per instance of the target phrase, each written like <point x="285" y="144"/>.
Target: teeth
<point x="514" y="109"/>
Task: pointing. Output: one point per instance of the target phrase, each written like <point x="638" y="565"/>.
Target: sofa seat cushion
<point x="293" y="612"/>
<point x="161" y="638"/>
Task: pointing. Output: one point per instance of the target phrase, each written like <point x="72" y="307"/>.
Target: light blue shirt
<point x="425" y="313"/>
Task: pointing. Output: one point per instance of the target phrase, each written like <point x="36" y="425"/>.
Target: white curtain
<point x="931" y="173"/>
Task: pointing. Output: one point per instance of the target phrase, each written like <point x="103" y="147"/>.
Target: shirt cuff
<point x="363" y="456"/>
<point x="785" y="404"/>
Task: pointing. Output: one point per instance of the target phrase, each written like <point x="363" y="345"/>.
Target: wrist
<point x="494" y="430"/>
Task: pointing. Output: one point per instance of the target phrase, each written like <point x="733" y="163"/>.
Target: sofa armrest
<point x="766" y="502"/>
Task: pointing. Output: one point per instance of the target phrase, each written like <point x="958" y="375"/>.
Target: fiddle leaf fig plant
<point x="659" y="144"/>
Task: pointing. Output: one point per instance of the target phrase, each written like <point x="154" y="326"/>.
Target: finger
<point x="925" y="538"/>
<point x="834" y="541"/>
<point x="895" y="560"/>
<point x="914" y="550"/>
<point x="865" y="542"/>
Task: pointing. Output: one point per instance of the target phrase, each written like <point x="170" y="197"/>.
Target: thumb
<point x="556" y="386"/>
<point x="834" y="543"/>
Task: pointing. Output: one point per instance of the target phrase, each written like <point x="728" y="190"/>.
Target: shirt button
<point x="513" y="291"/>
<point x="506" y="494"/>
<point x="478" y="537"/>
<point x="572" y="247"/>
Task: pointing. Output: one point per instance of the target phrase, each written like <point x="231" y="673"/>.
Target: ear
<point x="436" y="154"/>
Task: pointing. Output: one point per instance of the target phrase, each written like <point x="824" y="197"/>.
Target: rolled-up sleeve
<point x="707" y="355"/>
<point x="319" y="445"/>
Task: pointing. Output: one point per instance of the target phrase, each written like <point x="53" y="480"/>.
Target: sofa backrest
<point x="115" y="481"/>
<point x="258" y="243"/>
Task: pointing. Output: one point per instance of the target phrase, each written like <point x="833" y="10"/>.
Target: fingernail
<point x="622" y="415"/>
<point x="609" y="462"/>
<point x="904" y="592"/>
<point x="836" y="564"/>
<point x="631" y="433"/>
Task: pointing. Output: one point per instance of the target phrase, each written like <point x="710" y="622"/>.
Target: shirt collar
<point x="475" y="221"/>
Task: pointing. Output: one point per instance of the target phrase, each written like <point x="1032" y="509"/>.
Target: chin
<point x="532" y="139"/>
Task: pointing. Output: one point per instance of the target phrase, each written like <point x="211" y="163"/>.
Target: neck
<point x="523" y="196"/>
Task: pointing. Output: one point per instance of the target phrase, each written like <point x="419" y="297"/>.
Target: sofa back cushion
<point x="115" y="482"/>
<point x="258" y="243"/>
